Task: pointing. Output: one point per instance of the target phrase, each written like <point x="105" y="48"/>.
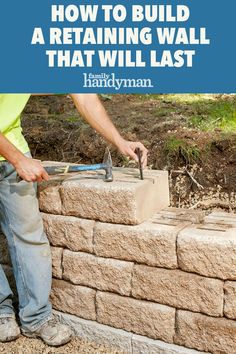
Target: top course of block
<point x="127" y="200"/>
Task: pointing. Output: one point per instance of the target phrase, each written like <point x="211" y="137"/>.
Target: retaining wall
<point x="129" y="271"/>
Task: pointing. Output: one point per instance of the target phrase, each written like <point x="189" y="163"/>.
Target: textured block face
<point x="97" y="333"/>
<point x="230" y="299"/>
<point x="141" y="317"/>
<point x="208" y="249"/>
<point x="152" y="243"/>
<point x="56" y="262"/>
<point x="4" y="254"/>
<point x="205" y="333"/>
<point x="127" y="200"/>
<point x="178" y="289"/>
<point x="69" y="232"/>
<point x="49" y="197"/>
<point x="96" y="272"/>
<point x="73" y="299"/>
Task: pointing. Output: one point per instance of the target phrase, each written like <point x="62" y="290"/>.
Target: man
<point x="21" y="222"/>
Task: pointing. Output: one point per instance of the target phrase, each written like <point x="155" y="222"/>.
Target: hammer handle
<point x="54" y="170"/>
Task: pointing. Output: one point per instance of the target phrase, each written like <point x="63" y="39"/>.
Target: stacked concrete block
<point x="123" y="259"/>
<point x="130" y="270"/>
<point x="127" y="200"/>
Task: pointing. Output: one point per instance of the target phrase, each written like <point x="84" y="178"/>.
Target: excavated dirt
<point x="55" y="131"/>
<point x="25" y="345"/>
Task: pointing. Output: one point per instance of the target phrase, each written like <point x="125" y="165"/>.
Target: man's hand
<point x="31" y="170"/>
<point x="128" y="148"/>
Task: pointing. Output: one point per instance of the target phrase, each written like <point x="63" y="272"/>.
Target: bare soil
<point x="55" y="131"/>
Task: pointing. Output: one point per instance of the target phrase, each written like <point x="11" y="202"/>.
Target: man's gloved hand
<point x="128" y="148"/>
<point x="30" y="170"/>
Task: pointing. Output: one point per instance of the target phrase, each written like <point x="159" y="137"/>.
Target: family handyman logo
<point x="104" y="80"/>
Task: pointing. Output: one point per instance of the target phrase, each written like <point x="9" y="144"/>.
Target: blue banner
<point x="118" y="46"/>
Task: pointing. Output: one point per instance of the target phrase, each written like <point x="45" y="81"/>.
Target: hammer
<point x="105" y="165"/>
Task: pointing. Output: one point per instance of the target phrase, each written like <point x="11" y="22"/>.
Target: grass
<point x="213" y="115"/>
<point x="205" y="112"/>
<point x="178" y="148"/>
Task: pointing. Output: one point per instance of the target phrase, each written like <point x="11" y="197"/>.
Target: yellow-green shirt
<point x="11" y="107"/>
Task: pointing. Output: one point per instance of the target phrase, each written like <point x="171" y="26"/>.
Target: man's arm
<point x="91" y="108"/>
<point x="28" y="169"/>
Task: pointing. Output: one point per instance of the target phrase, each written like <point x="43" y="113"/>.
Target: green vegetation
<point x="216" y="114"/>
<point x="178" y="148"/>
<point x="205" y="112"/>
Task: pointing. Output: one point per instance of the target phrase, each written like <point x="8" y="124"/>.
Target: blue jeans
<point x="21" y="222"/>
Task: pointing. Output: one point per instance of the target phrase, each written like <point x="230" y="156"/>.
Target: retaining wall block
<point x="98" y="333"/>
<point x="141" y="317"/>
<point x="69" y="232"/>
<point x="56" y="262"/>
<point x="73" y="299"/>
<point x="49" y="196"/>
<point x="230" y="299"/>
<point x="193" y="216"/>
<point x="178" y="289"/>
<point x="208" y="249"/>
<point x="201" y="332"/>
<point x="221" y="218"/>
<point x="142" y="345"/>
<point x="127" y="200"/>
<point x="100" y="273"/>
<point x="153" y="242"/>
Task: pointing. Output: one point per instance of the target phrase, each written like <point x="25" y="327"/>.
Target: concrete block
<point x="141" y="317"/>
<point x="73" y="299"/>
<point x="193" y="216"/>
<point x="69" y="232"/>
<point x="143" y="345"/>
<point x="127" y="200"/>
<point x="56" y="262"/>
<point x="178" y="289"/>
<point x="98" y="333"/>
<point x="230" y="299"/>
<point x="221" y="218"/>
<point x="4" y="254"/>
<point x="96" y="272"/>
<point x="153" y="242"/>
<point x="201" y="332"/>
<point x="117" y="338"/>
<point x="49" y="196"/>
<point x="208" y="249"/>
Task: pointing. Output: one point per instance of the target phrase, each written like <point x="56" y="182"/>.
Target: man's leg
<point x="29" y="248"/>
<point x="9" y="329"/>
<point x="31" y="259"/>
<point x="6" y="308"/>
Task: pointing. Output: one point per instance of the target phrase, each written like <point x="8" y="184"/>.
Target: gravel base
<point x="25" y="345"/>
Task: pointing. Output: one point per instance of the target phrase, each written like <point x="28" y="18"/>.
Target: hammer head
<point x="107" y="163"/>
